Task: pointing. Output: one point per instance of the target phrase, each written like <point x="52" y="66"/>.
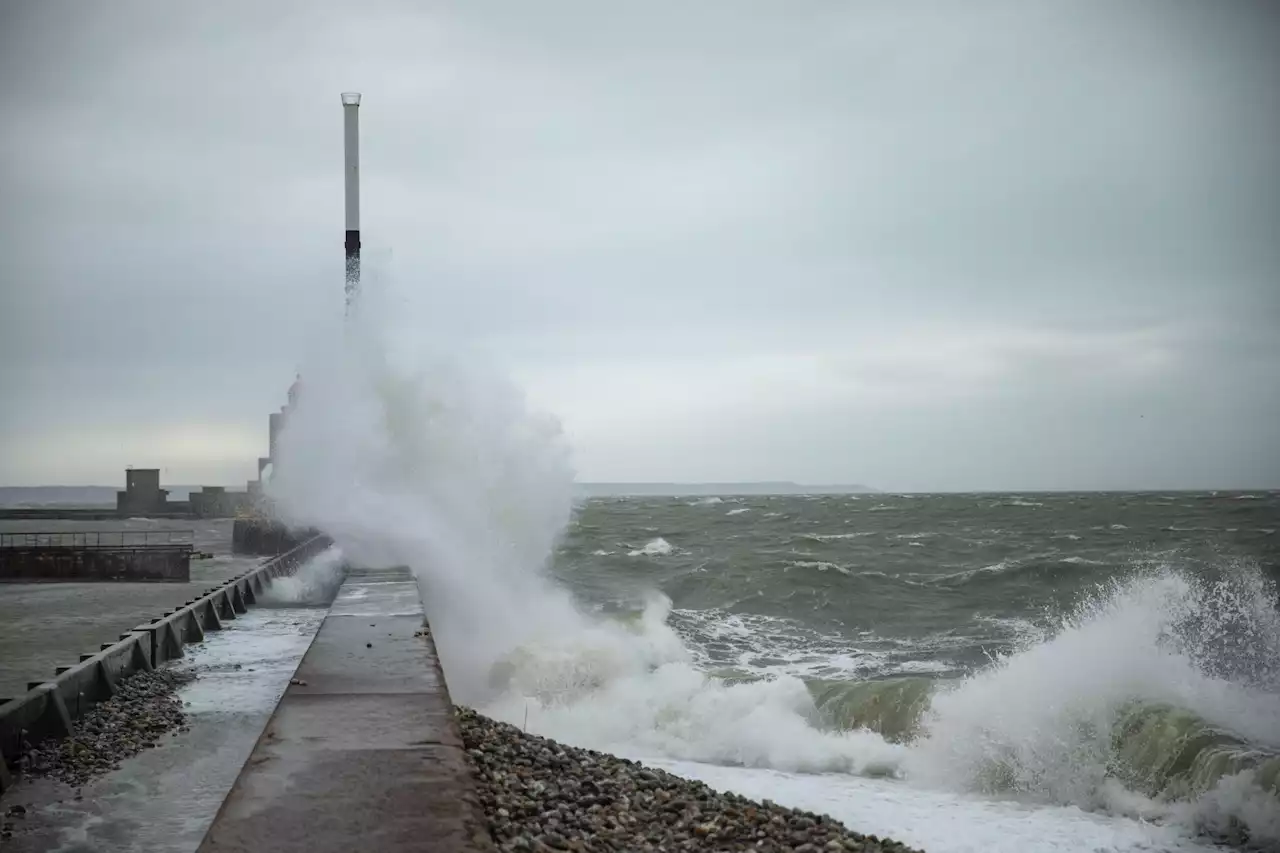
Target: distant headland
<point x="779" y="487"/>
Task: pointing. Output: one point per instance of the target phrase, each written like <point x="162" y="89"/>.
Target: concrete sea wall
<point x="263" y="537"/>
<point x="171" y="563"/>
<point x="363" y="751"/>
<point x="50" y="708"/>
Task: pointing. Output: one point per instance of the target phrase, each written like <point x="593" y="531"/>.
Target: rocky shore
<point x="143" y="710"/>
<point x="540" y="795"/>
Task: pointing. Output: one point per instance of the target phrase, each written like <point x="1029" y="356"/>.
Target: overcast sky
<point x="979" y="245"/>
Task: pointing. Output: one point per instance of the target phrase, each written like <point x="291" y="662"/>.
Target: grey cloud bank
<point x="1010" y="245"/>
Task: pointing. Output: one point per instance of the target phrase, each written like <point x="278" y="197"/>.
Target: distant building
<point x="142" y="493"/>
<point x="217" y="502"/>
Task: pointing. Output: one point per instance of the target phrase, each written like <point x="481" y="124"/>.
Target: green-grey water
<point x="1034" y="645"/>
<point x="896" y="584"/>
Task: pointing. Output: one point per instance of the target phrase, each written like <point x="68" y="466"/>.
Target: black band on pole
<point x="353" y="265"/>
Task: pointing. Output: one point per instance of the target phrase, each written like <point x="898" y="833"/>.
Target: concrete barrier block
<point x="31" y="718"/>
<point x="193" y="631"/>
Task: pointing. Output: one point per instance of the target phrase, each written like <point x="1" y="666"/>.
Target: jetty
<point x="96" y="555"/>
<point x="363" y="750"/>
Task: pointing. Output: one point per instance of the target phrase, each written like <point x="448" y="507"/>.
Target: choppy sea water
<point x="1003" y="672"/>
<point x="960" y="672"/>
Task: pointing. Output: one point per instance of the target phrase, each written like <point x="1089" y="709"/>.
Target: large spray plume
<point x="408" y="453"/>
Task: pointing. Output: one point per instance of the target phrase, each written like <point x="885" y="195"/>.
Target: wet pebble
<point x="540" y="795"/>
<point x="143" y="710"/>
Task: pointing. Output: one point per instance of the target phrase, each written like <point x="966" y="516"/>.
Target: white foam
<point x="739" y="511"/>
<point x="675" y="710"/>
<point x="939" y="821"/>
<point x="1045" y="714"/>
<point x="408" y="455"/>
<point x="658" y="547"/>
<point x="315" y="582"/>
<point x="820" y="565"/>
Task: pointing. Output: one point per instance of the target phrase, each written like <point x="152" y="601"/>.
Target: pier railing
<point x="98" y="539"/>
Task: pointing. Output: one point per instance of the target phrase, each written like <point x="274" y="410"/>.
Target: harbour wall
<point x="367" y="722"/>
<point x="52" y="564"/>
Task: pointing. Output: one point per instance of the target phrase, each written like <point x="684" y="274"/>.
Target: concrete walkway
<point x="363" y="752"/>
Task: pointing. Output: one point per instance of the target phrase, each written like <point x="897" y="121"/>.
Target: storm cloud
<point x="926" y="246"/>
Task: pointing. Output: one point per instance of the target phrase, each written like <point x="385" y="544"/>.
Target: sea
<point x="960" y="672"/>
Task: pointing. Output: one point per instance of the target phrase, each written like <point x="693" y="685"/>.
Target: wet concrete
<point x="368" y="724"/>
<point x="43" y="626"/>
<point x="164" y="799"/>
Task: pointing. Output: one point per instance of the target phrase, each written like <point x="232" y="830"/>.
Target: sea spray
<point x="1118" y="707"/>
<point x="315" y="583"/>
<point x="410" y="455"/>
<point x="413" y="454"/>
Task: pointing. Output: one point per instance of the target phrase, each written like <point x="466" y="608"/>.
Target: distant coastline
<point x="708" y="489"/>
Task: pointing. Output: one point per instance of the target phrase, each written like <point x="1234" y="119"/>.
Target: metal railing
<point x="98" y="539"/>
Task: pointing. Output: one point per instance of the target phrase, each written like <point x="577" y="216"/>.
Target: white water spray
<point x="409" y="456"/>
<point x="412" y="455"/>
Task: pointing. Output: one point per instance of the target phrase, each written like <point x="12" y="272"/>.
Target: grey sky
<point x="922" y="246"/>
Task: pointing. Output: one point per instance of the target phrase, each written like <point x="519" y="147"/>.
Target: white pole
<point x="351" y="171"/>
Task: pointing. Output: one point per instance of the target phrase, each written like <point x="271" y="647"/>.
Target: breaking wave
<point x="1135" y="706"/>
<point x="1157" y="697"/>
<point x="658" y="547"/>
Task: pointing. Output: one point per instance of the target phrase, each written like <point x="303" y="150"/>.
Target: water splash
<point x="1134" y="704"/>
<point x="412" y="454"/>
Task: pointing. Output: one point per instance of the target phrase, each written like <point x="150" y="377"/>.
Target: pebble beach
<point x="143" y="710"/>
<point x="540" y="795"/>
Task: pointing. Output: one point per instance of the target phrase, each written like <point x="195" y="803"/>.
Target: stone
<point x="539" y="795"/>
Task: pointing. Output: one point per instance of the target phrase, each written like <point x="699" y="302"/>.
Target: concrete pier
<point x="363" y="751"/>
<point x="96" y="555"/>
<point x="265" y="538"/>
